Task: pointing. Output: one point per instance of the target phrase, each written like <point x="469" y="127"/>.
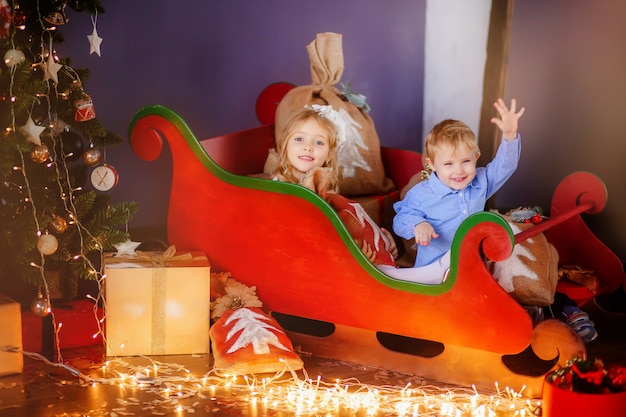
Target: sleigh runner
<point x="314" y="279"/>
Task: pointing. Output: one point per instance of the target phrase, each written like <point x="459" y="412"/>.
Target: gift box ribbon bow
<point x="155" y="259"/>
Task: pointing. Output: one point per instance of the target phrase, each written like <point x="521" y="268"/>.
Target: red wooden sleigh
<point x="308" y="271"/>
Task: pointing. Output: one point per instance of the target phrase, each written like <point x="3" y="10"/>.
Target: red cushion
<point x="361" y="227"/>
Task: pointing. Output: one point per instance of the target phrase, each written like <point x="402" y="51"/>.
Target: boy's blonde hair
<point x="284" y="170"/>
<point x="449" y="133"/>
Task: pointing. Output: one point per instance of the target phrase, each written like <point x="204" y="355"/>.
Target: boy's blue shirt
<point x="445" y="208"/>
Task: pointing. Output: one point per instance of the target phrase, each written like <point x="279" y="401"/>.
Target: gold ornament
<point x="14" y="57"/>
<point x="47" y="244"/>
<point x="92" y="156"/>
<point x="40" y="306"/>
<point x="40" y="153"/>
<point x="58" y="224"/>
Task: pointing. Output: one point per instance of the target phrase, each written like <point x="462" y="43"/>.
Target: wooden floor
<point x="84" y="385"/>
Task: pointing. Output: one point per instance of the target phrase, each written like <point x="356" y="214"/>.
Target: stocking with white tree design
<point x="245" y="339"/>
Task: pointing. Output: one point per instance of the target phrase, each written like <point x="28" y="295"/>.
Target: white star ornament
<point x="32" y="131"/>
<point x="94" y="42"/>
<point x="51" y="69"/>
<point x="127" y="248"/>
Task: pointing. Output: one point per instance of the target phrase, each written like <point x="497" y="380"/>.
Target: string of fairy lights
<point x="174" y="388"/>
<point x="47" y="243"/>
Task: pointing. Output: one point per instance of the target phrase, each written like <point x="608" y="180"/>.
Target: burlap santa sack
<point x="531" y="273"/>
<point x="360" y="163"/>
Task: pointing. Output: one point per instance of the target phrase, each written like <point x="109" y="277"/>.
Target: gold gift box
<point x="157" y="303"/>
<point x="11" y="358"/>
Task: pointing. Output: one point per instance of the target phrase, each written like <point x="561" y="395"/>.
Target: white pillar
<point x="455" y="56"/>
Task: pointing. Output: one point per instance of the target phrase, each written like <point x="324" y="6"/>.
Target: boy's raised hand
<point x="508" y="120"/>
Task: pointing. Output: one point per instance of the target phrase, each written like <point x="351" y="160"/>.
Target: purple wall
<point x="209" y="60"/>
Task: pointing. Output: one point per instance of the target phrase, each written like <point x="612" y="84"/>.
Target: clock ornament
<point x="104" y="177"/>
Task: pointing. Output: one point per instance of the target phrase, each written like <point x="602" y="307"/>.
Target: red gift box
<point x="77" y="325"/>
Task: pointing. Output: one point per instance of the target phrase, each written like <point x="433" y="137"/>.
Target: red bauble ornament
<point x="19" y="18"/>
<point x="5" y="18"/>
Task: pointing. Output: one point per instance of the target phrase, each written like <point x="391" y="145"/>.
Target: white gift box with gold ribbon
<point x="11" y="359"/>
<point x="157" y="303"/>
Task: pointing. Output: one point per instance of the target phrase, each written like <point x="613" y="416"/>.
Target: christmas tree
<point x="53" y="221"/>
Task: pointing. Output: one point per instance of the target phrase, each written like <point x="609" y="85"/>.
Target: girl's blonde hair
<point x="449" y="133"/>
<point x="284" y="170"/>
